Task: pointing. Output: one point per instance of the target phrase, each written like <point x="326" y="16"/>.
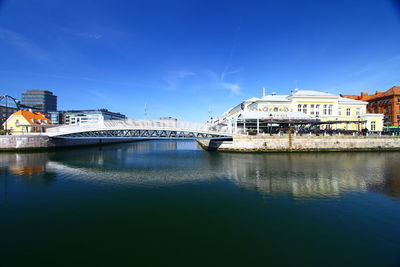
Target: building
<point x="56" y="117"/>
<point x="300" y="107"/>
<point x="72" y="117"/>
<point x="42" y="101"/>
<point x="24" y="121"/>
<point x="387" y="103"/>
<point x="8" y="105"/>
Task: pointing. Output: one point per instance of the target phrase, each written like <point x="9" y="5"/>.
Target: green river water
<point x="166" y="203"/>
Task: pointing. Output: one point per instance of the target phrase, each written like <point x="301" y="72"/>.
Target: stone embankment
<point x="27" y="142"/>
<point x="291" y="143"/>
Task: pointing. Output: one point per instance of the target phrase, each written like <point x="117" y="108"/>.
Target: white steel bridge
<point x="141" y="129"/>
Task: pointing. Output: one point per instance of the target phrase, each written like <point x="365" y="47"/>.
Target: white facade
<point x="306" y="105"/>
<point x="74" y="117"/>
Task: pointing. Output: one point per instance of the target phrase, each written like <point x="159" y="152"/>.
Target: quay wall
<point x="303" y="143"/>
<point x="27" y="142"/>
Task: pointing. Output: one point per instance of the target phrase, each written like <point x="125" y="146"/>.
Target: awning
<point x="275" y="116"/>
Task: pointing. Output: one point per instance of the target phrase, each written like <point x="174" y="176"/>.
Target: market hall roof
<point x="287" y="98"/>
<point x="311" y="93"/>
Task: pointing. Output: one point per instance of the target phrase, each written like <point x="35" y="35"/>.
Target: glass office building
<point x="73" y="117"/>
<point x="42" y="101"/>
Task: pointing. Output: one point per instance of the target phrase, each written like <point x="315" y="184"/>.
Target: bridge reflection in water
<point x="300" y="175"/>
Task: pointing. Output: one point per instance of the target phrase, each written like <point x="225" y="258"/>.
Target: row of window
<point x="274" y="109"/>
<point x="327" y="109"/>
<point x="384" y="101"/>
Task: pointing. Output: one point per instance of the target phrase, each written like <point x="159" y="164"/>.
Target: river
<point x="167" y="203"/>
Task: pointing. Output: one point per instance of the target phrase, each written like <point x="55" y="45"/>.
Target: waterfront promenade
<point x="303" y="143"/>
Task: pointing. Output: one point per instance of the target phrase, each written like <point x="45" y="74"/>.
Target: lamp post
<point x="270" y="124"/>
<point x="6" y="96"/>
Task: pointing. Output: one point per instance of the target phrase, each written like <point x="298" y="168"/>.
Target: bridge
<point x="141" y="129"/>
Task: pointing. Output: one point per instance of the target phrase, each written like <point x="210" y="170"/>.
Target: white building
<point x="301" y="107"/>
<point x="72" y="117"/>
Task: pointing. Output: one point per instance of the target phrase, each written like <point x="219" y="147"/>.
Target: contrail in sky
<point x="231" y="52"/>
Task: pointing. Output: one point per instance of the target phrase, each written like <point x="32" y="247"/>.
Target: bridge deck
<point x="143" y="129"/>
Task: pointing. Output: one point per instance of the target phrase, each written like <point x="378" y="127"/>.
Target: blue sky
<point x="183" y="57"/>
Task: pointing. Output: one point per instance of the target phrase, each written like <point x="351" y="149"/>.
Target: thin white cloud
<point x="89" y="35"/>
<point x="231" y="52"/>
<point x="88" y="79"/>
<point x="21" y="42"/>
<point x="373" y="66"/>
<point x="234" y="88"/>
<point x="98" y="94"/>
<point x="182" y="74"/>
<point x="173" y="78"/>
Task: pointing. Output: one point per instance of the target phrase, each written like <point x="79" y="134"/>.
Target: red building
<point x="387" y="103"/>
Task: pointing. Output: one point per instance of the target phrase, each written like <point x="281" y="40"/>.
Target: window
<point x="373" y="126"/>
<point x="398" y="99"/>
<point x="358" y="111"/>
<point x="325" y="109"/>
<point x="340" y="112"/>
<point x="299" y="107"/>
<point x="305" y="108"/>
<point x="317" y="109"/>
<point x="387" y="110"/>
<point x="312" y="109"/>
<point x="330" y="109"/>
<point x="275" y="109"/>
<point x="348" y="111"/>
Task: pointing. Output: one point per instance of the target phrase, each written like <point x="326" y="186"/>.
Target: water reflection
<point x="301" y="175"/>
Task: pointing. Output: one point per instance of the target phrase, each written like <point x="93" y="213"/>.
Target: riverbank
<point x="291" y="143"/>
<point x="41" y="142"/>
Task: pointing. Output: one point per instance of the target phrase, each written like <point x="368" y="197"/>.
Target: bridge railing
<point x="140" y="124"/>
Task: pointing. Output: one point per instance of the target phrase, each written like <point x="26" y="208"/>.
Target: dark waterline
<point x="172" y="204"/>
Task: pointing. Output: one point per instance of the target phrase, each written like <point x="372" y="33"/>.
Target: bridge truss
<point x="141" y="130"/>
<point x="142" y="134"/>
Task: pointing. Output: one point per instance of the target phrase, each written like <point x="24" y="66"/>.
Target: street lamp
<point x="6" y="96"/>
<point x="270" y="124"/>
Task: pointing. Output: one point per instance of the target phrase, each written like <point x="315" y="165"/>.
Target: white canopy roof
<point x="254" y="115"/>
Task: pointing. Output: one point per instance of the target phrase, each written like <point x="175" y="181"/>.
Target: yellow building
<point x="338" y="112"/>
<point x="24" y="121"/>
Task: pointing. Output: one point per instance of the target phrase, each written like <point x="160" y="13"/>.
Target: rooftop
<point x="310" y="93"/>
<point x="34" y="118"/>
<point x="395" y="90"/>
<point x="350" y="100"/>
